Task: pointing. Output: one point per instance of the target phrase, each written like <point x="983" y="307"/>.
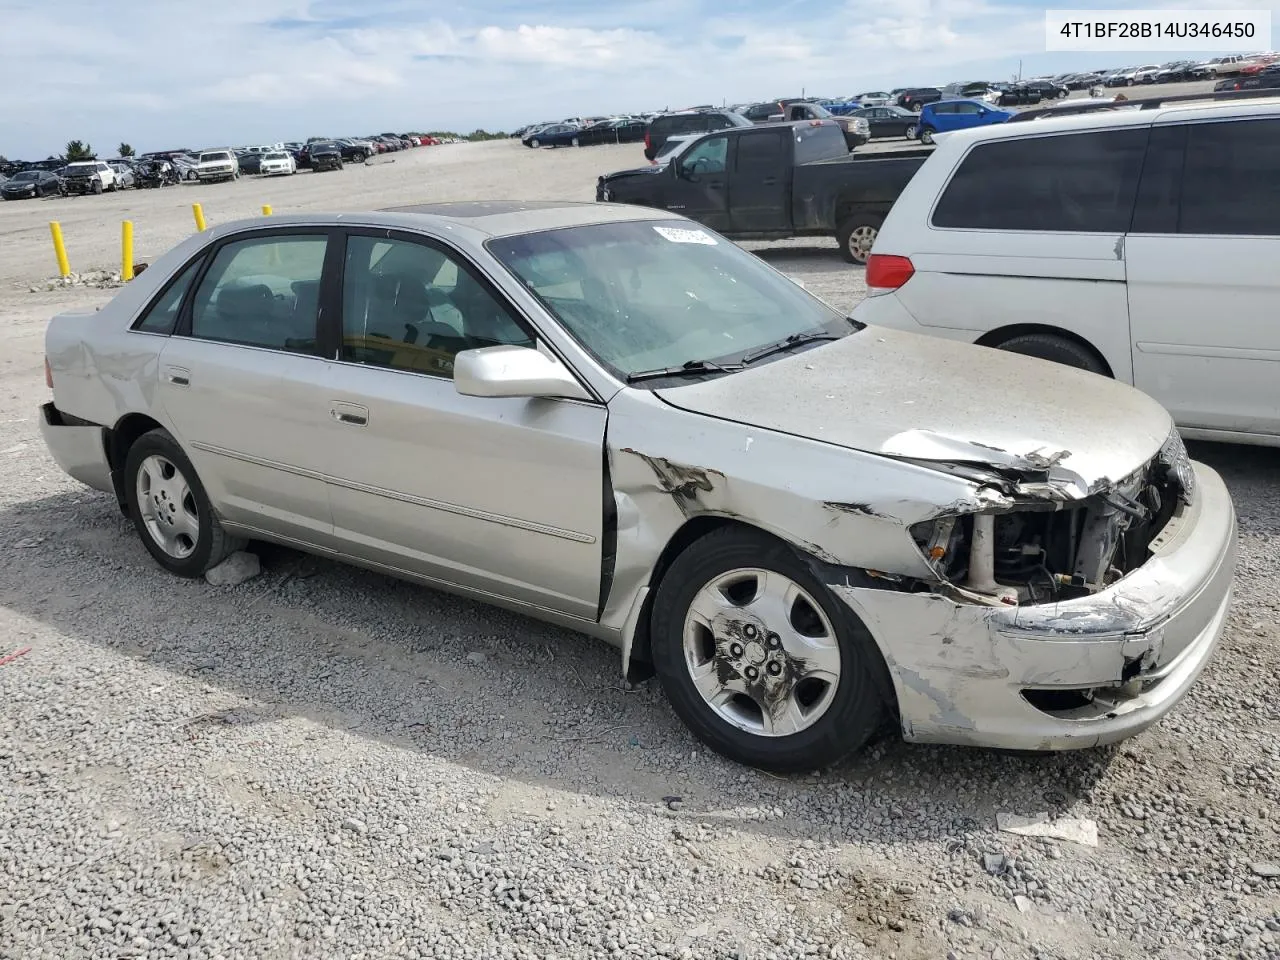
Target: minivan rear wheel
<point x="1046" y="346"/>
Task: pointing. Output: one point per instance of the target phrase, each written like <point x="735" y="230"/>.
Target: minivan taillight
<point x="886" y="273"/>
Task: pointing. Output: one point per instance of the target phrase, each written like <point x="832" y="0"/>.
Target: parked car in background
<point x="215" y="165"/>
<point x="552" y="135"/>
<point x="949" y="115"/>
<point x="772" y="182"/>
<point x="1013" y="95"/>
<point x="250" y="163"/>
<point x="889" y="121"/>
<point x="27" y="184"/>
<point x="877" y="98"/>
<point x="1047" y="89"/>
<point x="1224" y="66"/>
<point x="916" y="97"/>
<point x="88" y="176"/>
<point x="688" y="121"/>
<point x="278" y="163"/>
<point x="947" y="559"/>
<point x="325" y="155"/>
<point x="856" y="129"/>
<point x="1153" y="219"/>
<point x="125" y="175"/>
<point x="355" y="151"/>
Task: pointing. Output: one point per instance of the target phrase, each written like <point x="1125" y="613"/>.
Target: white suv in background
<point x="1139" y="244"/>
<point x="218" y="165"/>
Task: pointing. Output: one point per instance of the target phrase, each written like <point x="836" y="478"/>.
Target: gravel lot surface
<point x="323" y="762"/>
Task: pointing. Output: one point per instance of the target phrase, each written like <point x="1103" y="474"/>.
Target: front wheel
<point x="1047" y="346"/>
<point x="759" y="659"/>
<point x="170" y="509"/>
<point x="911" y="132"/>
<point x="576" y="142"/>
<point x="535" y="143"/>
<point x="856" y="236"/>
<point x="926" y="135"/>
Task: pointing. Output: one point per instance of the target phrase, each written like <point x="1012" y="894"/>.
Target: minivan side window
<point x="1069" y="183"/>
<point x="1229" y="184"/>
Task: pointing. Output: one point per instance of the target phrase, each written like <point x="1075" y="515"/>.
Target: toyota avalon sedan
<point x="615" y="420"/>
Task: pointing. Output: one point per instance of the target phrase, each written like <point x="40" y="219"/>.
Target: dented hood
<point x="927" y="399"/>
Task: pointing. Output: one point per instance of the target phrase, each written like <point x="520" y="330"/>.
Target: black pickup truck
<point x="773" y="182"/>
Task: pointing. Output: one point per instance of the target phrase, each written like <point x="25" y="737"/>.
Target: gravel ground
<point x="323" y="762"/>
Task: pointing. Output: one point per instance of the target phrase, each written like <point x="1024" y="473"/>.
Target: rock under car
<point x="615" y="420"/>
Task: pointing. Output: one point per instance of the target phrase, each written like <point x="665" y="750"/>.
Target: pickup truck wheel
<point x="856" y="237"/>
<point x="926" y="135"/>
<point x="759" y="658"/>
<point x="1046" y="346"/>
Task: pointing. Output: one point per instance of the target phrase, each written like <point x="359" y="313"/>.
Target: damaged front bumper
<point x="1071" y="674"/>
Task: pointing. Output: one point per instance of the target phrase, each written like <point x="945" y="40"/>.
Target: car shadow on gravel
<point x="466" y="683"/>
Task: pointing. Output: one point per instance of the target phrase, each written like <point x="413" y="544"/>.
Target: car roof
<point x="1128" y="113"/>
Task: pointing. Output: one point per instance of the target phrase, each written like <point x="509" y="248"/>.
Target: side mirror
<point x="509" y="371"/>
<point x="687" y="171"/>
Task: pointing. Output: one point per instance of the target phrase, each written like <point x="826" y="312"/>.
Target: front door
<point x="702" y="191"/>
<point x="500" y="495"/>
<point x="761" y="188"/>
<point x="243" y="382"/>
<point x="1203" y="266"/>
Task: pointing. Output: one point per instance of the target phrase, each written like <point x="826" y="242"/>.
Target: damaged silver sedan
<point x="617" y="421"/>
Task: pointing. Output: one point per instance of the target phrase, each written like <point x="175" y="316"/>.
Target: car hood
<point x="931" y="400"/>
<point x="648" y="171"/>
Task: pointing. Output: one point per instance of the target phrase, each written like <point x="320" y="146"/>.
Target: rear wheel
<point x="926" y="135"/>
<point x="1063" y="350"/>
<point x="759" y="659"/>
<point x="170" y="509"/>
<point x="97" y="186"/>
<point x="857" y="235"/>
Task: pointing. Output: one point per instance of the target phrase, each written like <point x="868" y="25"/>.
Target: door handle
<point x="178" y="376"/>
<point x="769" y="181"/>
<point x="349" y="413"/>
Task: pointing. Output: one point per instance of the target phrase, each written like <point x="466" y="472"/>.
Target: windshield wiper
<point x="795" y="340"/>
<point x="687" y="369"/>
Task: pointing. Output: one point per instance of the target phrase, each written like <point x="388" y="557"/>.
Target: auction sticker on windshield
<point x="676" y="235"/>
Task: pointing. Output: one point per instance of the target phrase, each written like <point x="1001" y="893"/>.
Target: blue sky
<point x="172" y="73"/>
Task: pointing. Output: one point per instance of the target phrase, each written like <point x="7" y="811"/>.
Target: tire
<point x="926" y="135"/>
<point x="1047" y="346"/>
<point x="911" y="132"/>
<point x="856" y="236"/>
<point x="535" y="143"/>
<point x="97" y="186"/>
<point x="817" y="716"/>
<point x="576" y="143"/>
<point x="203" y="543"/>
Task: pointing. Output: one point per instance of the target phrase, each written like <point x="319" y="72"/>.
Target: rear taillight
<point x="886" y="272"/>
<point x="48" y="374"/>
<point x="648" y="144"/>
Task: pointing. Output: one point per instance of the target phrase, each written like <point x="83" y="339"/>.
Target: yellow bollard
<point x="266" y="209"/>
<point x="59" y="248"/>
<point x="126" y="250"/>
<point x="198" y="212"/>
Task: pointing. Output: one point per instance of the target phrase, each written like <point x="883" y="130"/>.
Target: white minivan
<point x="1142" y="245"/>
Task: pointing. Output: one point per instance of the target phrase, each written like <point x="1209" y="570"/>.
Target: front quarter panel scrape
<point x="840" y="506"/>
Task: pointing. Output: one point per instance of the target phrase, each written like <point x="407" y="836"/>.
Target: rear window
<point x="1072" y="183"/>
<point x="1229" y="184"/>
<point x="818" y="143"/>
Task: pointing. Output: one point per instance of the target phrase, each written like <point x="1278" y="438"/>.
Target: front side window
<point x="410" y="306"/>
<point x="1082" y="183"/>
<point x="645" y="295"/>
<point x="161" y="316"/>
<point x="262" y="292"/>
<point x="709" y="156"/>
<point x="1229" y="182"/>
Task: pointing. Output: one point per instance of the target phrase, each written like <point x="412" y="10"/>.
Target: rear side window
<point x="760" y="153"/>
<point x="1072" y="183"/>
<point x="1229" y="183"/>
<point x="163" y="313"/>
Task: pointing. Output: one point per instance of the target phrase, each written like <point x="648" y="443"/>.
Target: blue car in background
<point x="944" y="116"/>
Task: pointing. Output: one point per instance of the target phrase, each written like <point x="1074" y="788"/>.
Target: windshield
<point x="26" y="176"/>
<point x="643" y="295"/>
<point x="274" y="156"/>
<point x="673" y="145"/>
<point x="214" y="157"/>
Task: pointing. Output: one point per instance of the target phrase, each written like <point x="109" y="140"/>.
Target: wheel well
<point x="850" y="209"/>
<point x="995" y="338"/>
<point x="123" y="435"/>
<point x="639" y="668"/>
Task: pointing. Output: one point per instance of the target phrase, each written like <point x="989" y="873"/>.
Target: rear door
<point x="759" y="185"/>
<point x="1031" y="229"/>
<point x="1203" y="262"/>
